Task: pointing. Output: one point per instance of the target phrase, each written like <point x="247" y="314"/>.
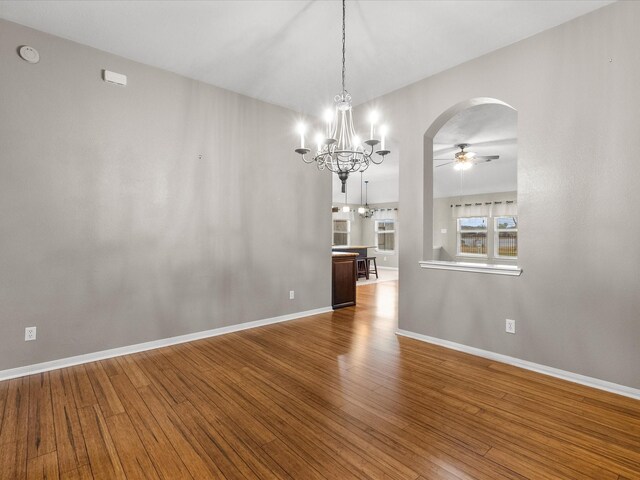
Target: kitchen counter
<point x="361" y="250"/>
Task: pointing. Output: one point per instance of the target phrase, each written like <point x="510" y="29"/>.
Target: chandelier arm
<point x="373" y="159"/>
<point x="304" y="159"/>
<point x="370" y="151"/>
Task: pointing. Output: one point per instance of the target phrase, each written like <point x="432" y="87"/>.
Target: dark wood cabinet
<point x="343" y="280"/>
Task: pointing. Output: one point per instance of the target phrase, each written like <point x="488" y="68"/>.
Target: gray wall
<point x="577" y="306"/>
<point x="115" y="233"/>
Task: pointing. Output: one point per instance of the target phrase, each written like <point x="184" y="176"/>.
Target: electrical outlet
<point x="29" y="334"/>
<point x="292" y="294"/>
<point x="510" y="326"/>
<point x="385" y="259"/>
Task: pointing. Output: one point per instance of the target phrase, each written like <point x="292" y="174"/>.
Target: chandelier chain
<point x="344" y="14"/>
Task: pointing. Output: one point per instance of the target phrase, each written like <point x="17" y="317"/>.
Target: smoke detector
<point x="29" y="54"/>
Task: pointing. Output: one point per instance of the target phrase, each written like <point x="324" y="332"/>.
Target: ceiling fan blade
<point x="487" y="158"/>
<point x="443" y="164"/>
<point x="442" y="160"/>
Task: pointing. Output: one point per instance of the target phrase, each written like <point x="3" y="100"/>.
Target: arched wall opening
<point x="489" y="124"/>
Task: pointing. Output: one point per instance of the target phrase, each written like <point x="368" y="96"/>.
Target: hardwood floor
<point x="334" y="396"/>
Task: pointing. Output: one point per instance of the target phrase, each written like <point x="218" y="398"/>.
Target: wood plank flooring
<point x="334" y="396"/>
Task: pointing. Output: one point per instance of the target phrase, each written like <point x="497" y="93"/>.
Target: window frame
<point x="333" y="231"/>
<point x="477" y="230"/>
<point x="496" y="238"/>
<point x="376" y="232"/>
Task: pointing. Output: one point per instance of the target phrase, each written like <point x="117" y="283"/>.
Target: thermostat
<point x="29" y="54"/>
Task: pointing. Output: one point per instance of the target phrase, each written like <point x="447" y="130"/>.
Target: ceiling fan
<point x="464" y="160"/>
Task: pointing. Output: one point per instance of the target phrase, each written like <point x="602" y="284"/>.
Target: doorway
<point x="366" y="218"/>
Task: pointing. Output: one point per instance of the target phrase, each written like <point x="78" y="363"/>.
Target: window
<point x="341" y="230"/>
<point x="472" y="236"/>
<point x="506" y="237"/>
<point x="385" y="231"/>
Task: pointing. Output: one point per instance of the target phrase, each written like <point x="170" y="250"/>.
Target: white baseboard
<point x="387" y="268"/>
<point x="141" y="347"/>
<point x="553" y="372"/>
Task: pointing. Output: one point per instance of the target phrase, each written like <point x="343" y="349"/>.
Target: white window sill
<point x="472" y="267"/>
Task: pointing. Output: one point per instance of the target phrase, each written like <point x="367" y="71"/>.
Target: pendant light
<point x="365" y="212"/>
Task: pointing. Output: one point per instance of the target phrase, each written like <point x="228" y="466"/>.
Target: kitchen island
<point x="343" y="279"/>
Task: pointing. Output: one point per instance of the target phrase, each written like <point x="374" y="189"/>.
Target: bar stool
<point x="369" y="268"/>
<point x="362" y="269"/>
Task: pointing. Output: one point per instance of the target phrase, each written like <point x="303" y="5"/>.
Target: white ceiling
<point x="288" y="52"/>
<point x="489" y="130"/>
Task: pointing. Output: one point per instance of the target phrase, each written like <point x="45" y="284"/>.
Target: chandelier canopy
<point x="339" y="149"/>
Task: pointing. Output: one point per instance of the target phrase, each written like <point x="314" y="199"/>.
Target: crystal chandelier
<point x="339" y="149"/>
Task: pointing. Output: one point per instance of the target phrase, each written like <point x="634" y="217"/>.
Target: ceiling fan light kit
<point x="339" y="149"/>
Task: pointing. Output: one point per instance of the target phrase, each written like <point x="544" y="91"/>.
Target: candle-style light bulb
<point x="373" y="118"/>
<point x="301" y="130"/>
<point x="356" y="142"/>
